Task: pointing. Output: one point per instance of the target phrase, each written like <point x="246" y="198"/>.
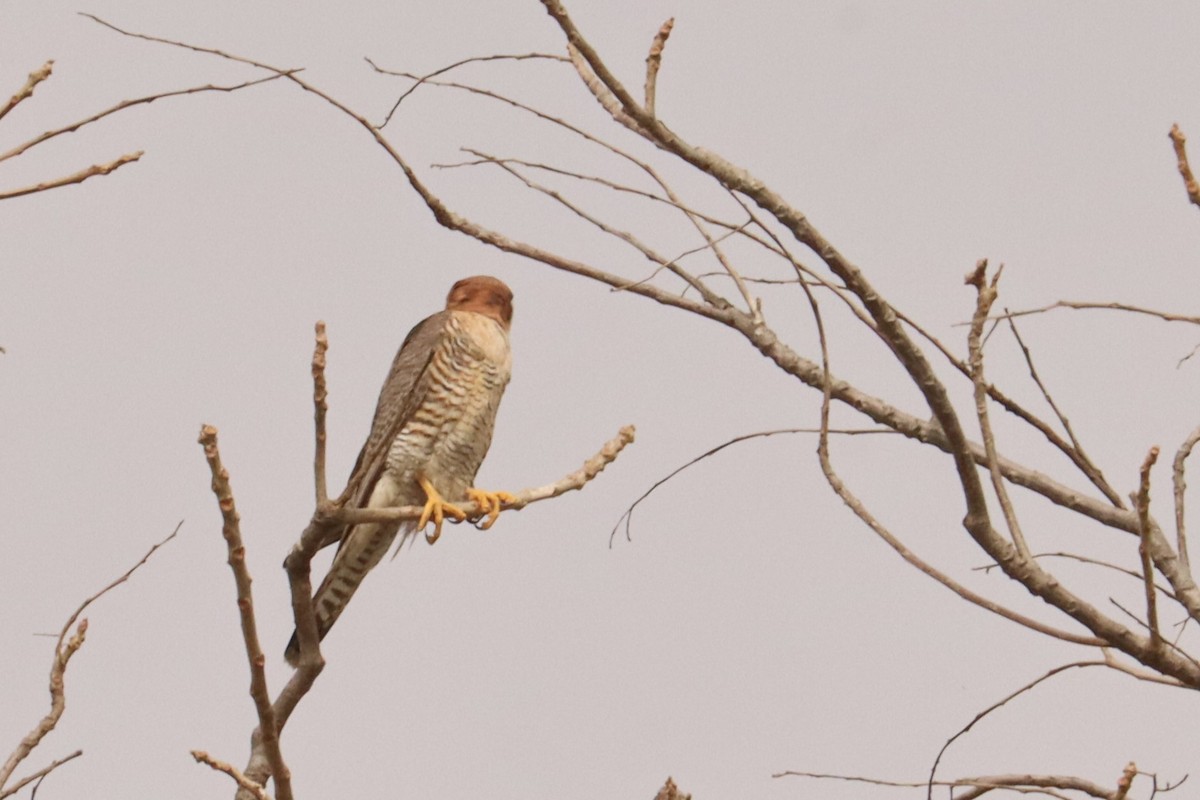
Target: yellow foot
<point x="490" y="503"/>
<point x="436" y="509"/>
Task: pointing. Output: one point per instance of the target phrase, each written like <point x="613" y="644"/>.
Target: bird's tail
<point x="361" y="550"/>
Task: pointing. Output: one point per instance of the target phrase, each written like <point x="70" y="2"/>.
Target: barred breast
<point x="449" y="434"/>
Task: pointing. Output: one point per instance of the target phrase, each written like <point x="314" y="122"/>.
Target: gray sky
<point x="752" y="625"/>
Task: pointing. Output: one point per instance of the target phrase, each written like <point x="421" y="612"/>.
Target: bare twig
<point x="124" y="104"/>
<point x="931" y="782"/>
<point x="1070" y="450"/>
<point x="1143" y="509"/>
<point x="670" y="791"/>
<point x="255" y="790"/>
<point x="1135" y="574"/>
<point x="421" y="79"/>
<point x="26" y="91"/>
<point x="231" y="530"/>
<point x="75" y="177"/>
<point x="627" y="517"/>
<point x="1125" y="782"/>
<point x="320" y="408"/>
<point x="1084" y="306"/>
<point x="980" y="785"/>
<point x="38" y="776"/>
<point x="1180" y="486"/>
<point x="654" y="61"/>
<point x="1179" y="141"/>
<point x="985" y="296"/>
<point x="63" y="650"/>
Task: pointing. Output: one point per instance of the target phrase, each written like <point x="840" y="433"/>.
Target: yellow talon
<point x="436" y="509"/>
<point x="490" y="504"/>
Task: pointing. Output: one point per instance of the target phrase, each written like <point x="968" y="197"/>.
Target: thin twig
<point x="256" y="790"/>
<point x="1135" y="574"/>
<point x="58" y="667"/>
<point x="1143" y="509"/>
<point x="654" y="61"/>
<point x="421" y="79"/>
<point x="1042" y="784"/>
<point x="1076" y="447"/>
<point x="985" y="296"/>
<point x="1082" y="306"/>
<point x="627" y="517"/>
<point x="1180" y="486"/>
<point x="75" y="177"/>
<point x="38" y="776"/>
<point x="231" y="530"/>
<point x="1078" y="458"/>
<point x="1179" y="141"/>
<point x="26" y="91"/>
<point x="320" y="408"/>
<point x="931" y="782"/>
<point x="124" y="104"/>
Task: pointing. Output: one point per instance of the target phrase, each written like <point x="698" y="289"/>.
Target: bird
<point x="432" y="428"/>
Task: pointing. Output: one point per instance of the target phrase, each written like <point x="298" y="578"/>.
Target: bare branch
<point x="1125" y="781"/>
<point x="985" y="297"/>
<point x="1082" y="306"/>
<point x="980" y="785"/>
<point x="38" y="776"/>
<point x="627" y="517"/>
<point x="1179" y="141"/>
<point x="930" y="783"/>
<point x="75" y="177"/>
<point x="231" y="530"/>
<point x="124" y="104"/>
<point x="1071" y="451"/>
<point x="63" y="650"/>
<point x="654" y="61"/>
<point x="26" y="91"/>
<point x="256" y="790"/>
<point x="320" y="408"/>
<point x="1180" y="486"/>
<point x="1143" y="509"/>
<point x="421" y="79"/>
<point x="570" y="482"/>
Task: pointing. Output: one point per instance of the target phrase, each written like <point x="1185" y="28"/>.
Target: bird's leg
<point x="490" y="503"/>
<point x="436" y="509"/>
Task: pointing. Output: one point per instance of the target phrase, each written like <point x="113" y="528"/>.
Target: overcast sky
<point x="751" y="625"/>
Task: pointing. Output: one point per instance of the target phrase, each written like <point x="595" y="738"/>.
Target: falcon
<point x="433" y="426"/>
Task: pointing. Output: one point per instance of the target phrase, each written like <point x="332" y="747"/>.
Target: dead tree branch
<point x="1179" y="141"/>
<point x="64" y="648"/>
<point x="232" y="531"/>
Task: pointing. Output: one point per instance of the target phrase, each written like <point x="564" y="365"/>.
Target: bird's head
<point x="485" y="295"/>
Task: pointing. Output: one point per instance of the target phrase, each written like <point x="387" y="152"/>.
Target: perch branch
<point x="570" y="482"/>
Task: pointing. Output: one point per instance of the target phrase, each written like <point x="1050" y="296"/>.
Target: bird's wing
<point x="403" y="392"/>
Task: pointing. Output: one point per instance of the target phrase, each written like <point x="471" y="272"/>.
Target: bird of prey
<point x="433" y="426"/>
